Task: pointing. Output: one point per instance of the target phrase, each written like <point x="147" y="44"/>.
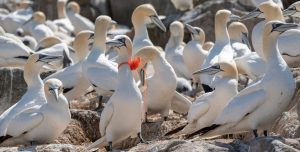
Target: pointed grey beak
<point x="234" y="17"/>
<point x="113" y="22"/>
<point x="245" y="40"/>
<point x="48" y="58"/>
<point x="142" y="76"/>
<point x="158" y="22"/>
<point x="210" y="70"/>
<point x="282" y="27"/>
<point x="115" y="43"/>
<point x="191" y="29"/>
<point x="289" y="11"/>
<point x="251" y="15"/>
<point x="28" y="21"/>
<point x="54" y="92"/>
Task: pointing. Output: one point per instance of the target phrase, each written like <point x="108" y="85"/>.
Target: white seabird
<point x="164" y="77"/>
<point x="35" y="93"/>
<point x="75" y="84"/>
<point x="63" y="20"/>
<point x="193" y="53"/>
<point x="79" y="22"/>
<point x="41" y="123"/>
<point x="174" y="50"/>
<point x="289" y="50"/>
<point x="222" y="47"/>
<point x="260" y="104"/>
<point x="122" y="115"/>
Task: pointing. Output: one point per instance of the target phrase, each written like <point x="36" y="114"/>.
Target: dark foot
<point x="255" y="133"/>
<point x="266" y="133"/>
<point x="207" y="88"/>
<point x="109" y="147"/>
<point x="141" y="139"/>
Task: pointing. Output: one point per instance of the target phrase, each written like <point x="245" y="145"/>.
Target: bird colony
<point x="141" y="79"/>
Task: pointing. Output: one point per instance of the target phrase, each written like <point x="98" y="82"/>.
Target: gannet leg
<point x="141" y="139"/>
<point x="255" y="133"/>
<point x="266" y="133"/>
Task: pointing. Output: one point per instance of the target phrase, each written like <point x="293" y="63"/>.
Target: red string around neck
<point x="133" y="63"/>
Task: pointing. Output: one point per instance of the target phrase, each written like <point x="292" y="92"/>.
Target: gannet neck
<point x="176" y="34"/>
<point x="236" y="29"/>
<point x="81" y="45"/>
<point x="101" y="26"/>
<point x="270" y="47"/>
<point x="32" y="73"/>
<point x="271" y="11"/>
<point x="61" y="11"/>
<point x="221" y="32"/>
<point x="139" y="25"/>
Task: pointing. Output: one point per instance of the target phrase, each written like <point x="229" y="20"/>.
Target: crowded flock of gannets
<point x="142" y="79"/>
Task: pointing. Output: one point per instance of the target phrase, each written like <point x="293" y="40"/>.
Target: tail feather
<point x="98" y="143"/>
<point x="176" y="130"/>
<point x="3" y="138"/>
<point x="204" y="130"/>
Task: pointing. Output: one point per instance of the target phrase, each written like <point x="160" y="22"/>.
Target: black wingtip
<point x="67" y="89"/>
<point x="204" y="130"/>
<point x="3" y="138"/>
<point x="176" y="130"/>
<point x="66" y="61"/>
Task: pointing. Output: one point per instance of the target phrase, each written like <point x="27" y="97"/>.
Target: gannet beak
<point x="142" y="76"/>
<point x="191" y="29"/>
<point x="113" y="22"/>
<point x="158" y="22"/>
<point x="48" y="58"/>
<point x="282" y="27"/>
<point x="115" y="43"/>
<point x="245" y="39"/>
<point x="54" y="91"/>
<point x="252" y="14"/>
<point x="289" y="11"/>
<point x="210" y="70"/>
<point x="234" y="17"/>
<point x="28" y="21"/>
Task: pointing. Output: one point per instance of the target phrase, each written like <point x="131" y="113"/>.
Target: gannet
<point x="238" y="34"/>
<point x="289" y="50"/>
<point x="29" y="41"/>
<point x="79" y="22"/>
<point x="75" y="84"/>
<point x="260" y="104"/>
<point x="42" y="123"/>
<point x="164" y="78"/>
<point x="293" y="10"/>
<point x="141" y="37"/>
<point x="221" y="48"/>
<point x="183" y="5"/>
<point x="122" y="115"/>
<point x="193" y="53"/>
<point x="206" y="108"/>
<point x="101" y="72"/>
<point x="208" y="45"/>
<point x="13" y="52"/>
<point x="54" y="46"/>
<point x="36" y="27"/>
<point x="34" y="94"/>
<point x="63" y="20"/>
<point x="174" y="50"/>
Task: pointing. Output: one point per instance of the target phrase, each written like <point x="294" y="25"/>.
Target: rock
<point x="275" y="144"/>
<point x="12" y="86"/>
<point x="45" y="148"/>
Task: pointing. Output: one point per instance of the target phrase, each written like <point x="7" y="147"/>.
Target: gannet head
<point x="73" y="7"/>
<point x="292" y="9"/>
<point x="268" y="10"/>
<point x="275" y="28"/>
<point x="39" y="17"/>
<point x="53" y="87"/>
<point x="224" y="16"/>
<point x="122" y="43"/>
<point x="83" y="40"/>
<point x="176" y="28"/>
<point x="104" y="21"/>
<point x="196" y="33"/>
<point x="47" y="42"/>
<point x="223" y="68"/>
<point x="23" y="4"/>
<point x="147" y="10"/>
<point x="238" y="32"/>
<point x="30" y="42"/>
<point x="208" y="45"/>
